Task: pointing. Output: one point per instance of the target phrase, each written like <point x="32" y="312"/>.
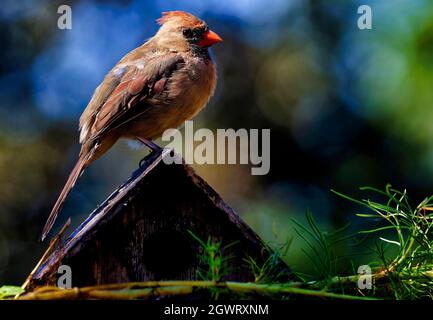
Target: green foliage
<point x="270" y="270"/>
<point x="402" y="246"/>
<point x="9" y="292"/>
<point x="321" y="248"/>
<point x="214" y="263"/>
<point x="410" y="270"/>
<point x="399" y="237"/>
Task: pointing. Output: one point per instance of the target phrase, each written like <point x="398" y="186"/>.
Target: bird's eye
<point x="188" y="33"/>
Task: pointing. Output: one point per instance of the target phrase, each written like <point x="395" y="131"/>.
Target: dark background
<point x="346" y="108"/>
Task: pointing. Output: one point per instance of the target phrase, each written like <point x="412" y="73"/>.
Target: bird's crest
<point x="186" y="17"/>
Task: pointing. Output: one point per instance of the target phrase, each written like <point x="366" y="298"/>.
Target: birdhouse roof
<point x="127" y="193"/>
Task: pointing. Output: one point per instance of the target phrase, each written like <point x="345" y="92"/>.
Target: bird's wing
<point x="137" y="81"/>
<point x="100" y="96"/>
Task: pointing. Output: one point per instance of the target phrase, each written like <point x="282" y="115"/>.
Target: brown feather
<point x="73" y="177"/>
<point x="136" y="86"/>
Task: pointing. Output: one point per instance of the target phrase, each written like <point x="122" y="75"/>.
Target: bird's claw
<point x="154" y="152"/>
<point x="142" y="162"/>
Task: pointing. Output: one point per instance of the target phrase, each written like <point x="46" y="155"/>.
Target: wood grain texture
<point x="140" y="232"/>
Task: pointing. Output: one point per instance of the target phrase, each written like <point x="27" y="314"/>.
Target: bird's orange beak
<point x="209" y="39"/>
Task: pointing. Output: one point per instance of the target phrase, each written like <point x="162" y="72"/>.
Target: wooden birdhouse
<point x="143" y="232"/>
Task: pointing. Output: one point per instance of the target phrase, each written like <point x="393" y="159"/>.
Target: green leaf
<point x="9" y="291"/>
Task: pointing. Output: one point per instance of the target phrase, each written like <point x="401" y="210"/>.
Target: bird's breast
<point x="190" y="89"/>
<point x="201" y="80"/>
<point x="187" y="93"/>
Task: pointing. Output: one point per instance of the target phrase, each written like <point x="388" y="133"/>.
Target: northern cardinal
<point x="155" y="87"/>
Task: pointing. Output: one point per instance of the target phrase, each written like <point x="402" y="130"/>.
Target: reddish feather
<point x="188" y="19"/>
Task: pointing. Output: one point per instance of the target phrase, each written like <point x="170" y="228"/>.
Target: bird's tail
<point x="72" y="179"/>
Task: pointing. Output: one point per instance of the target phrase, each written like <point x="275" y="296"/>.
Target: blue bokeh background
<point x="346" y="108"/>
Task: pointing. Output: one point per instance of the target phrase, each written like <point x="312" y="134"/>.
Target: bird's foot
<point x="155" y="149"/>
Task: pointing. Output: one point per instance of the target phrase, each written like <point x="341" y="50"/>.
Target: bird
<point x="156" y="86"/>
